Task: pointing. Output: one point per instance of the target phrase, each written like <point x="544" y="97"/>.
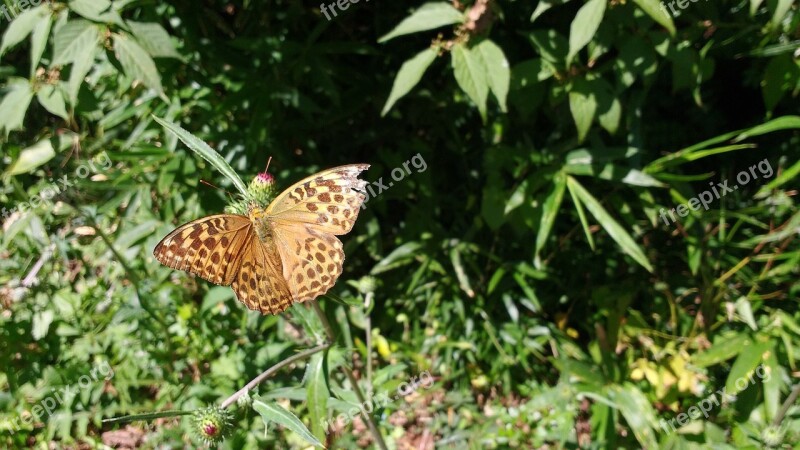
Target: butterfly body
<point x="274" y="256"/>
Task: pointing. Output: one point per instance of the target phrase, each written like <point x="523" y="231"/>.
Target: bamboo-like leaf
<point x="273" y="412"/>
<point x="608" y="223"/>
<point x="317" y="393"/>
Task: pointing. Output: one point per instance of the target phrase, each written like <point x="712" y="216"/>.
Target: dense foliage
<point x="581" y="228"/>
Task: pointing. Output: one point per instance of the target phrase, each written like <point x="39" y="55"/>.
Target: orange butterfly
<point x="273" y="257"/>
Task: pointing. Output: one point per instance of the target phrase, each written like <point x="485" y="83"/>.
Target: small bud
<point x="245" y="401"/>
<point x="213" y="424"/>
<point x="772" y="436"/>
<point x="367" y="284"/>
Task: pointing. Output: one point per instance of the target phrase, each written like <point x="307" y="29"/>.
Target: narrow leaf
<point x="273" y="412"/>
<point x="409" y="75"/>
<point x="608" y="223"/>
<point x="653" y="9"/>
<point x="205" y="152"/>
<point x="427" y="17"/>
<point x="471" y="76"/>
<point x="497" y="70"/>
<point x="585" y="25"/>
<point x="317" y="394"/>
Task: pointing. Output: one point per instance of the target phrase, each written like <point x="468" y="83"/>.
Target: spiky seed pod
<point x="213" y="424"/>
<point x="772" y="436"/>
<point x="245" y="401"/>
<point x="262" y="188"/>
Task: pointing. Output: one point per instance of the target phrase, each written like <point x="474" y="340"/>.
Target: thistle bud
<point x="213" y="424"/>
<point x="262" y="188"/>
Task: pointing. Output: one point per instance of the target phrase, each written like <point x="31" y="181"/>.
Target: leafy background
<point x="526" y="268"/>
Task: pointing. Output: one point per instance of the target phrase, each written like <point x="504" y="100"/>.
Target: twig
<point x="373" y="428"/>
<point x="266" y="374"/>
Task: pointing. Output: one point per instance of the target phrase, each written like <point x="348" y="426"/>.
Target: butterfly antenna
<point x="217" y="187"/>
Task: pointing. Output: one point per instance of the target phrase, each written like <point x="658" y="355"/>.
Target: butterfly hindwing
<point x="328" y="201"/>
<point x="209" y="247"/>
<point x="259" y="283"/>
<point x="312" y="260"/>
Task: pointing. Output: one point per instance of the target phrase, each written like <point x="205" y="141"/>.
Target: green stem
<point x="786" y="405"/>
<point x="147" y="416"/>
<point x="264" y="375"/>
<point x="373" y="428"/>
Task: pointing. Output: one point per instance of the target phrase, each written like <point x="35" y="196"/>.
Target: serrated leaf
<point x="41" y="31"/>
<point x="317" y="394"/>
<point x="52" y="99"/>
<point x="72" y="40"/>
<point x="204" y="151"/>
<point x="14" y="105"/>
<point x="427" y="17"/>
<point x="498" y="72"/>
<point x="408" y="76"/>
<point x="273" y="412"/>
<point x="612" y="227"/>
<point x="585" y="25"/>
<point x="653" y="9"/>
<point x="154" y="39"/>
<point x="32" y="157"/>
<point x="21" y="27"/>
<point x="81" y="65"/>
<point x="471" y="76"/>
<point x="96" y="10"/>
<point x="136" y="62"/>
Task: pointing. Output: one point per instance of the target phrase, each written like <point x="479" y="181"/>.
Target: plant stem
<point x="264" y="375"/>
<point x="373" y="428"/>
<point x="786" y="405"/>
<point x="147" y="416"/>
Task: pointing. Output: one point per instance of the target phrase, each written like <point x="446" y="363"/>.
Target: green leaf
<point x="771" y="380"/>
<point x="780" y="78"/>
<point x="550" y="208"/>
<point x="317" y="393"/>
<point x="552" y="46"/>
<point x="653" y="9"/>
<point x="786" y="175"/>
<point x="638" y="412"/>
<point x="427" y="17"/>
<point x="32" y="157"/>
<point x="52" y="99"/>
<point x="585" y="25"/>
<point x="41" y="324"/>
<point x="204" y="151"/>
<point x="273" y="412"/>
<point x="778" y="124"/>
<point x="497" y="69"/>
<point x="97" y="10"/>
<point x="781" y="8"/>
<point x="154" y="39"/>
<point x="543" y="5"/>
<point x="14" y="105"/>
<point x="21" y="27"/>
<point x="471" y="76"/>
<point x="41" y="31"/>
<point x="750" y="356"/>
<point x="582" y="217"/>
<point x="81" y="65"/>
<point x="136" y="62"/>
<point x="608" y="223"/>
<point x="583" y="106"/>
<point x="73" y="40"/>
<point x="408" y="76"/>
<point x="723" y="349"/>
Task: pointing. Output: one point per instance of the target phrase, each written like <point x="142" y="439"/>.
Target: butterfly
<point x="273" y="257"/>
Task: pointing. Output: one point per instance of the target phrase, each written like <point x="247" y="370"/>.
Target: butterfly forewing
<point x="210" y="247"/>
<point x="329" y="201"/>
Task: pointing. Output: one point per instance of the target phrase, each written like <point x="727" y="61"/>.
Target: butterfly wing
<point x="312" y="260"/>
<point x="328" y="201"/>
<point x="304" y="220"/>
<point x="209" y="247"/>
<point x="259" y="283"/>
